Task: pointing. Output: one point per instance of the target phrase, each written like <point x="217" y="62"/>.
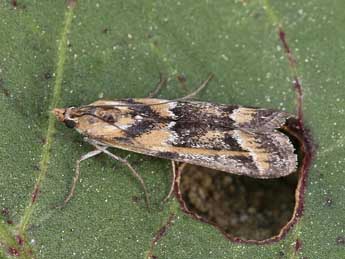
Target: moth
<point x="231" y="138"/>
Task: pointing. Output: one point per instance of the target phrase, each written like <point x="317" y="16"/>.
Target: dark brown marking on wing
<point x="266" y="142"/>
<point x="232" y="142"/>
<point x="104" y="113"/>
<point x="248" y="161"/>
<point x="266" y="119"/>
<point x="168" y="155"/>
<point x="207" y="115"/>
<point x="229" y="109"/>
<point x="139" y="128"/>
<point x="260" y="118"/>
<point x="281" y="154"/>
<point x="219" y="141"/>
<point x="150" y="119"/>
<point x="195" y="119"/>
<point x="123" y="140"/>
<point x="109" y="118"/>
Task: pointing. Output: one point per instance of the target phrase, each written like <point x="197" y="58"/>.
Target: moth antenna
<point x="100" y="118"/>
<point x="113" y="124"/>
<point x="126" y="105"/>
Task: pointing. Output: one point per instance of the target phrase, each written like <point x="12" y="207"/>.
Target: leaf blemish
<point x="3" y="89"/>
<point x="34" y="194"/>
<point x="298" y="245"/>
<point x="48" y="75"/>
<point x="5" y="212"/>
<point x="14" y="3"/>
<point x="340" y="240"/>
<point x="13" y="251"/>
<point x="20" y="240"/>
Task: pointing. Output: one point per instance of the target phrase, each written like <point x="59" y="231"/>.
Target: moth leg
<point x="202" y="86"/>
<point x="173" y="167"/>
<point x="162" y="82"/>
<point x="134" y="172"/>
<point x="77" y="174"/>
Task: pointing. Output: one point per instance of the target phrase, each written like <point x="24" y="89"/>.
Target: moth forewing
<point x="230" y="138"/>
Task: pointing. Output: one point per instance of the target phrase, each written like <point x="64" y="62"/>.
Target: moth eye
<point x="70" y="123"/>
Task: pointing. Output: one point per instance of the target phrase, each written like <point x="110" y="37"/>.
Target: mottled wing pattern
<point x="233" y="139"/>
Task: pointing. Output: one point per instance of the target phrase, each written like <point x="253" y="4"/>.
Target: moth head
<point x="87" y="118"/>
<point x="67" y="116"/>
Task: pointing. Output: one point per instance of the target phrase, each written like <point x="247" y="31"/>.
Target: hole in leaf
<point x="242" y="206"/>
<point x="246" y="209"/>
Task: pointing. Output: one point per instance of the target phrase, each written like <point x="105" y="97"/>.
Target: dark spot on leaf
<point x="340" y="240"/>
<point x="328" y="202"/>
<point x="17" y="5"/>
<point x="298" y="245"/>
<point x="20" y="240"/>
<point x="71" y="3"/>
<point x="181" y="78"/>
<point x="34" y="195"/>
<point x="48" y="75"/>
<point x="283" y="40"/>
<point x="135" y="199"/>
<point x="13" y="251"/>
<point x="43" y="140"/>
<point x="5" y="91"/>
<point x="5" y="212"/>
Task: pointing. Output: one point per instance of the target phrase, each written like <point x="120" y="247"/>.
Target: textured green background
<point x="116" y="49"/>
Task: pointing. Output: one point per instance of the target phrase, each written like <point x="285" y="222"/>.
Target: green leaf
<point x="54" y="55"/>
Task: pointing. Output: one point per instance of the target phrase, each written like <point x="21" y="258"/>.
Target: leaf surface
<point x="54" y="55"/>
